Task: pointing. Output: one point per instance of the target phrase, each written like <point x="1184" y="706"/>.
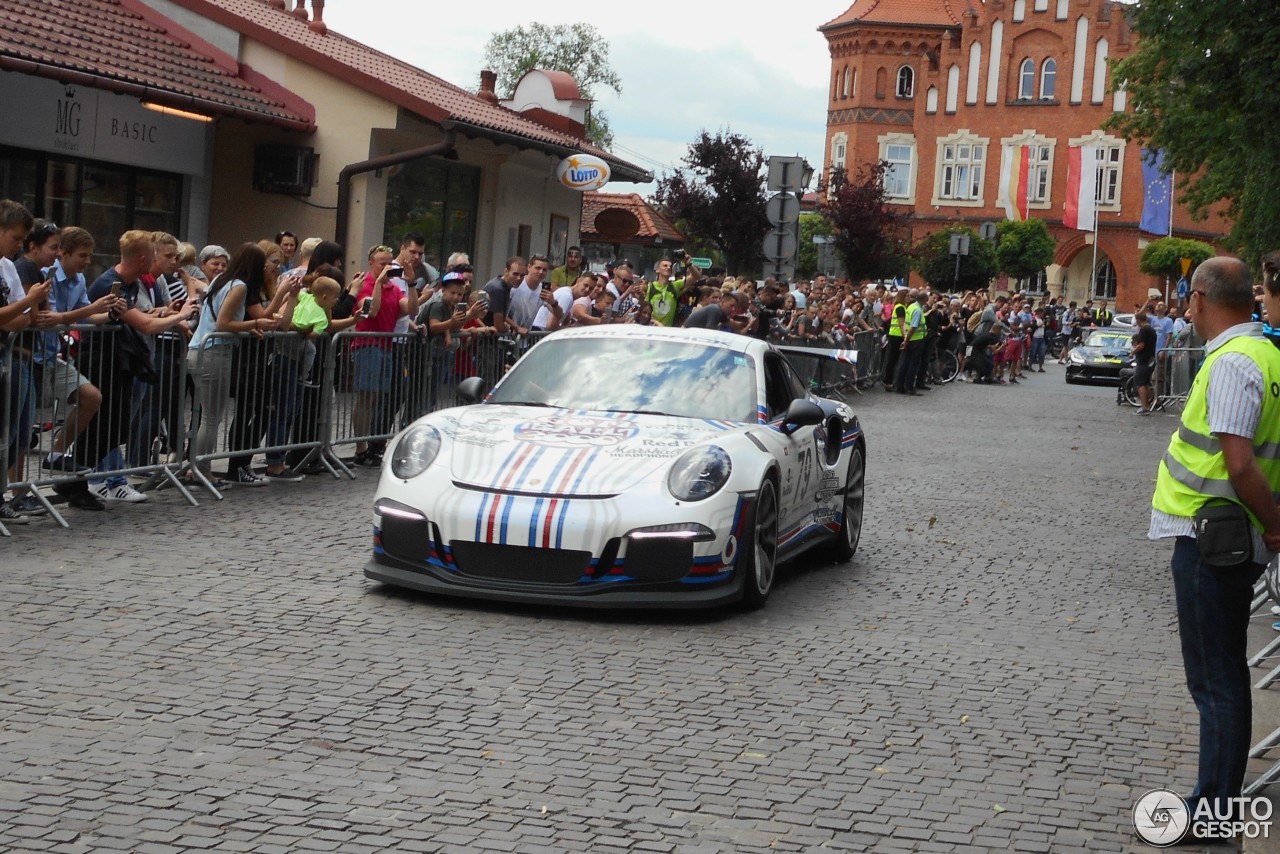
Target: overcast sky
<point x="684" y="65"/>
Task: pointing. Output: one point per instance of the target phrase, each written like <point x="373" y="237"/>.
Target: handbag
<point x="1224" y="534"/>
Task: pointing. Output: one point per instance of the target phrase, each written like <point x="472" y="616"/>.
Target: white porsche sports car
<point x="623" y="466"/>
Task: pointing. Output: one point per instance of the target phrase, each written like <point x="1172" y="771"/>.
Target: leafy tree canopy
<point x="869" y="232"/>
<point x="811" y="225"/>
<point x="1202" y="86"/>
<point x="577" y="49"/>
<point x="1163" y="257"/>
<point x="1024" y="249"/>
<point x="936" y="265"/>
<point x="719" y="197"/>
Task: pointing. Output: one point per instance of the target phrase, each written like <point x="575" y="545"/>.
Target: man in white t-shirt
<point x="558" y="312"/>
<point x="526" y="298"/>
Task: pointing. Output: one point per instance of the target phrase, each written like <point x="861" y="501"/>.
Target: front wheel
<point x="761" y="563"/>
<point x="1129" y="389"/>
<point x="846" y="542"/>
<point x="948" y="366"/>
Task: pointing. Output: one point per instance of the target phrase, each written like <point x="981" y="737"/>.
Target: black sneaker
<point x="287" y="475"/>
<point x="63" y="464"/>
<point x="86" y="501"/>
<point x="9" y="516"/>
<point x="28" y="505"/>
<point x="244" y="476"/>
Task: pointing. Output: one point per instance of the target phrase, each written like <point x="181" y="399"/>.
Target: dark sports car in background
<point x="1100" y="356"/>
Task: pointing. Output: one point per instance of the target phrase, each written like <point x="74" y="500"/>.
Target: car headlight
<point x="699" y="473"/>
<point x="416" y="450"/>
<point x="1075" y="357"/>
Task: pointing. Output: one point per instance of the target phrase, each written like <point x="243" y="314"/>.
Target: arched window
<point x="975" y="71"/>
<point x="1104" y="280"/>
<point x="835" y="86"/>
<point x="848" y="81"/>
<point x="1099" y="71"/>
<point x="1019" y="9"/>
<point x="882" y="81"/>
<point x="931" y="99"/>
<point x="906" y="82"/>
<point x="1049" y="79"/>
<point x="1026" y="80"/>
<point x="953" y="87"/>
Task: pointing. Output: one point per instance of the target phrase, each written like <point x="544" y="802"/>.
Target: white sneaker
<point x="124" y="493"/>
<point x="1275" y="609"/>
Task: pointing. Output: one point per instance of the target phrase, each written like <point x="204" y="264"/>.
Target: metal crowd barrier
<point x="1176" y="368"/>
<point x="5" y="374"/>
<point x="250" y="399"/>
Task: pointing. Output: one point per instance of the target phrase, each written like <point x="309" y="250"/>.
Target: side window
<point x="778" y="388"/>
<point x="798" y="388"/>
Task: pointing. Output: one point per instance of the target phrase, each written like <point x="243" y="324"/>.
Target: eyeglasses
<point x="44" y="232"/>
<point x="380" y="248"/>
<point x="535" y="258"/>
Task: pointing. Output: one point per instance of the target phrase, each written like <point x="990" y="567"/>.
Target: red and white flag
<point x="1015" y="182"/>
<point x="1082" y="188"/>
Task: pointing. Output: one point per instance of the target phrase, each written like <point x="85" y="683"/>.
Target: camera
<point x="394" y="271"/>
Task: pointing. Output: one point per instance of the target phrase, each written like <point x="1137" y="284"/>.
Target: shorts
<point x="372" y="369"/>
<point x="1142" y="374"/>
<point x="63" y="381"/>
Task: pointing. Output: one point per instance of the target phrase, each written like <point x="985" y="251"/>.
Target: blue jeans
<point x="285" y="409"/>
<point x="1037" y="351"/>
<point x="1213" y="623"/>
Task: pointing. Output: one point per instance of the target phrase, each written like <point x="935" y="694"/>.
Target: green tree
<point x="1201" y="82"/>
<point x="1023" y="249"/>
<point x="934" y="262"/>
<point x="576" y="49"/>
<point x="1163" y="257"/>
<point x="719" y="196"/>
<point x="869" y="232"/>
<point x="811" y="225"/>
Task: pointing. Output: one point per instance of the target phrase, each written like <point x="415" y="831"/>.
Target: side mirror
<point x="472" y="390"/>
<point x="802" y="413"/>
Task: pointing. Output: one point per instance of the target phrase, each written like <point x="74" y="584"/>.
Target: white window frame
<point x="931" y="100"/>
<point x="993" y="67"/>
<point x="1078" y="59"/>
<point x="1110" y="186"/>
<point x="1027" y="80"/>
<point x="1040" y="175"/>
<point x="839" y="150"/>
<point x="905" y="74"/>
<point x="1048" y="68"/>
<point x="975" y="74"/>
<point x="971" y="191"/>
<point x="1105" y="264"/>
<point x="953" y="88"/>
<point x="1101" y="50"/>
<point x="1019" y="10"/>
<point x="901" y="140"/>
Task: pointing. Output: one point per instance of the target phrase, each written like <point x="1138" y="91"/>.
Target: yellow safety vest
<point x="894" y="331"/>
<point x="1194" y="470"/>
<point x="916" y="313"/>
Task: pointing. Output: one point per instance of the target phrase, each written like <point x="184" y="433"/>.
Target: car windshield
<point x="687" y="379"/>
<point x="1108" y="340"/>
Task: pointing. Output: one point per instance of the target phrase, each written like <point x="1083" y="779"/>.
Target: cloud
<point x="689" y="66"/>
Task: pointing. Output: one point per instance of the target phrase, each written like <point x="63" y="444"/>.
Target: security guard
<point x="913" y="334"/>
<point x="1227" y="447"/>
<point x="896" y="332"/>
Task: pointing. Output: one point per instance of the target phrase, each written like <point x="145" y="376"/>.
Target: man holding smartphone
<point x="527" y="298"/>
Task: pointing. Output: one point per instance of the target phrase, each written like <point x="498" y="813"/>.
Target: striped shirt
<point x="1234" y="403"/>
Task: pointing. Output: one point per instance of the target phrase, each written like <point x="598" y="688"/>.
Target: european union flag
<point x="1157" y="199"/>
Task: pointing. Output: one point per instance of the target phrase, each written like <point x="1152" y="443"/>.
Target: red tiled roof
<point x="918" y="13"/>
<point x="652" y="223"/>
<point x="395" y="80"/>
<point x="124" y="46"/>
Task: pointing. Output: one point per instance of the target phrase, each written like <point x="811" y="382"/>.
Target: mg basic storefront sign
<point x="583" y="172"/>
<point x="83" y="122"/>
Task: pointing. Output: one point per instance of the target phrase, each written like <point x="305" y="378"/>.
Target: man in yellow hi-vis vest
<point x="1227" y="447"/>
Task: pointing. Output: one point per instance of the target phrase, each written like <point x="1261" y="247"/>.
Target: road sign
<point x="701" y="263"/>
<point x="782" y="209"/>
<point x="1184" y="288"/>
<point x="1186" y="266"/>
<point x="959" y="244"/>
<point x="785" y="174"/>
<point x="780" y="245"/>
<point x="987" y="231"/>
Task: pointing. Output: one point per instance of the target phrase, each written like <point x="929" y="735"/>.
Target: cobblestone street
<point x="997" y="669"/>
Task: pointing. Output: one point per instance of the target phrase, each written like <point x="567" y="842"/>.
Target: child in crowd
<point x="312" y="316"/>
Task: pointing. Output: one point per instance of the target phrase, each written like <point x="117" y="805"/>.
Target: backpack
<point x="974" y="321"/>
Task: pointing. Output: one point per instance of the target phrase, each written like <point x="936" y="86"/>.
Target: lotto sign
<point x="583" y="172"/>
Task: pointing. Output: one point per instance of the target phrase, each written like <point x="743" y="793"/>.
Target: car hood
<point x="1102" y="354"/>
<point x="544" y="451"/>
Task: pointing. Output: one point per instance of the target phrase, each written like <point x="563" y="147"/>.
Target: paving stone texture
<point x="997" y="669"/>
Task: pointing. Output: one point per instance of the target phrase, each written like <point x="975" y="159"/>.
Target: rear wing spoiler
<point x="847" y="356"/>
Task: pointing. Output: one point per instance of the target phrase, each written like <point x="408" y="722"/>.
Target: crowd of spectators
<point x="211" y="335"/>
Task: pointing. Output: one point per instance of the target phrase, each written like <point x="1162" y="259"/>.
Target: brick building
<point x="941" y="88"/>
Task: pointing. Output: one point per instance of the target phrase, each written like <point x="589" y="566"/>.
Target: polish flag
<point x="1082" y="188"/>
<point x="1015" y="182"/>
